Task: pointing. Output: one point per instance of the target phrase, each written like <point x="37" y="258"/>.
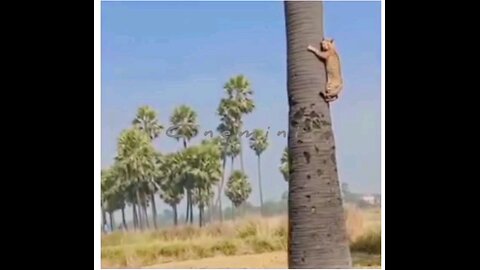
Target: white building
<point x="371" y="199"/>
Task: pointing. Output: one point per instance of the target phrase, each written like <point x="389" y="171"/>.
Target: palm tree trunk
<point x="191" y="209"/>
<point x="260" y="185"/>
<point x="145" y="214"/>
<point x="210" y="210"/>
<point x="124" y="222"/>
<point x="104" y="219"/>
<point x="135" y="217"/>
<point x="154" y="210"/>
<point x="220" y="190"/>
<point x="187" y="215"/>
<point x="200" y="216"/>
<point x="140" y="219"/>
<point x="241" y="154"/>
<point x="112" y="222"/>
<point x="175" y="215"/>
<point x="317" y="231"/>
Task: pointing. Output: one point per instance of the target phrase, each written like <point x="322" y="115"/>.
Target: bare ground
<point x="264" y="260"/>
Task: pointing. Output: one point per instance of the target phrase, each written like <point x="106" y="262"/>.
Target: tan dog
<point x="330" y="56"/>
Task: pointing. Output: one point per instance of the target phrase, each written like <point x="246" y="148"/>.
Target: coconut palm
<point x="259" y="143"/>
<point x="238" y="188"/>
<point x="147" y="121"/>
<point x="185" y="127"/>
<point x="317" y="230"/>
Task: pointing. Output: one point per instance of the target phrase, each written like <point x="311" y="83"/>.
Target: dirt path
<point x="265" y="260"/>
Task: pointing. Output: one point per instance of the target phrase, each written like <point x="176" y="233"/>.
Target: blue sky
<point x="165" y="54"/>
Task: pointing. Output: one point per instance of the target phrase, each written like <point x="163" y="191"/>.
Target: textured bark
<point x="317" y="231"/>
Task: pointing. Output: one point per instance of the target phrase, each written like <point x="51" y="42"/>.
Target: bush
<point x="248" y="230"/>
<point x="225" y="247"/>
<point x="370" y="243"/>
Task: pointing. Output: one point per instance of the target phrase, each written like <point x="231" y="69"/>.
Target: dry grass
<point x="251" y="235"/>
<point x="277" y="259"/>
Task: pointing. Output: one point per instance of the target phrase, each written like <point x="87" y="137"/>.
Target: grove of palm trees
<point x="141" y="174"/>
<point x="205" y="201"/>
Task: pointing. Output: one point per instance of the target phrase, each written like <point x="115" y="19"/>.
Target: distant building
<point x="372" y="199"/>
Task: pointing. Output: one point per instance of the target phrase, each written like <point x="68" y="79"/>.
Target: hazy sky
<point x="164" y="54"/>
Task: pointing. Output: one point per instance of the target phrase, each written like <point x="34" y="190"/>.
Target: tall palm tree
<point x="285" y="164"/>
<point x="185" y="127"/>
<point x="136" y="157"/>
<point x="238" y="188"/>
<point x="209" y="174"/>
<point x="170" y="179"/>
<point x="317" y="231"/>
<point x="112" y="194"/>
<point x="184" y="124"/>
<point x="259" y="143"/>
<point x="202" y="169"/>
<point x="230" y="147"/>
<point x="238" y="103"/>
<point x="147" y="121"/>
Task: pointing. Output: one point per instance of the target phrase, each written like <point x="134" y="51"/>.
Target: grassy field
<point x="276" y="259"/>
<point x="231" y="244"/>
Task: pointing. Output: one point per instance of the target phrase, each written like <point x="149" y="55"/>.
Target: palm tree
<point x="259" y="143"/>
<point x="238" y="188"/>
<point x="317" y="231"/>
<point x="185" y="127"/>
<point x="136" y="158"/>
<point x="171" y="191"/>
<point x="238" y="103"/>
<point x="202" y="169"/>
<point x="230" y="148"/>
<point x="209" y="174"/>
<point x="112" y="195"/>
<point x="285" y="164"/>
<point x="147" y="121"/>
